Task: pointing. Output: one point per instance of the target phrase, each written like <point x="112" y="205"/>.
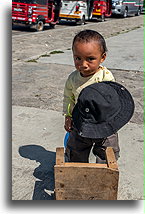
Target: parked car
<point x="77" y="11"/>
<point x="125" y="8"/>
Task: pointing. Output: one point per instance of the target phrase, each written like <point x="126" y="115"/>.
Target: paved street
<point x="37" y="121"/>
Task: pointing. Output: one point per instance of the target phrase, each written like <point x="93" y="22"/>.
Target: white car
<point x="77" y="11"/>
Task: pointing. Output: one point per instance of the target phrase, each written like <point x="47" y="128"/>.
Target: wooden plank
<point x="110" y="157"/>
<point x="84" y="183"/>
<point x="59" y="156"/>
<point x="90" y="165"/>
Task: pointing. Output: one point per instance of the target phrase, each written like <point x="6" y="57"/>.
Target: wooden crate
<point x="86" y="181"/>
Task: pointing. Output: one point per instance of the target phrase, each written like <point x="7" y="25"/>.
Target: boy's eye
<point x="91" y="59"/>
<point x="77" y="58"/>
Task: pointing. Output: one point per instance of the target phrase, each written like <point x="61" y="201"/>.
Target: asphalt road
<point x="21" y="30"/>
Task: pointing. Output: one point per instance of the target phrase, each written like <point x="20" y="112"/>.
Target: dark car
<point x="125" y="8"/>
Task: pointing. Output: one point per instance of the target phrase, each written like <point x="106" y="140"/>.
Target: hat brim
<point x="106" y="128"/>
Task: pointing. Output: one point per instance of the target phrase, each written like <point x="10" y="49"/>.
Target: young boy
<point x="89" y="51"/>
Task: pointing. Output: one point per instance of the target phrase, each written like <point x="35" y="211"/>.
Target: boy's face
<point x="87" y="57"/>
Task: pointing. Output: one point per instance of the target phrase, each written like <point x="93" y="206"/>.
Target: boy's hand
<point x="68" y="124"/>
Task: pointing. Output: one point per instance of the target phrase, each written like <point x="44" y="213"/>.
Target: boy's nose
<point x="84" y="64"/>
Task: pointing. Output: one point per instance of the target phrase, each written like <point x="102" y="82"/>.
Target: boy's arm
<point x="68" y="105"/>
<point x="68" y="99"/>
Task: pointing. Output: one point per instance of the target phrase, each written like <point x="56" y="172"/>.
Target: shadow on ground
<point x="44" y="186"/>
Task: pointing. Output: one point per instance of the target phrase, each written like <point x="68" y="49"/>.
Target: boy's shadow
<point x="44" y="188"/>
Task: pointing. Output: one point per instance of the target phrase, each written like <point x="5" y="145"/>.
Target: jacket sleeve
<point x="68" y="99"/>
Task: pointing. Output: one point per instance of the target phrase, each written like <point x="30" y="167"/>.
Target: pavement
<point x="127" y="59"/>
<point x="37" y="132"/>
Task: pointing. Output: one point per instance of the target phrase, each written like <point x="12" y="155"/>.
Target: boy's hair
<point x="90" y="35"/>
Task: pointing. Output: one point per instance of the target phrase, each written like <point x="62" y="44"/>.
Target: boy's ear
<point x="103" y="57"/>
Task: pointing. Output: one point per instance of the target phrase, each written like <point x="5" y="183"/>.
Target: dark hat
<point x="102" y="109"/>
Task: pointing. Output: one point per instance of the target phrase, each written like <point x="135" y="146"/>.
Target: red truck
<point x="102" y="9"/>
<point x="35" y="13"/>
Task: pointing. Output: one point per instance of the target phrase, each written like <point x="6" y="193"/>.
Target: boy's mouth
<point x="84" y="70"/>
<point x="85" y="73"/>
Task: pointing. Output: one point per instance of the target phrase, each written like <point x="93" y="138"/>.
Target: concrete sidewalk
<point x="37" y="132"/>
<point x="125" y="52"/>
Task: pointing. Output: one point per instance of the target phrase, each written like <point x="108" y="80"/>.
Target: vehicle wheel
<point x="90" y="17"/>
<point x="102" y="18"/>
<point x="83" y="20"/>
<point x="52" y="25"/>
<point x="138" y="12"/>
<point x="40" y="26"/>
<point x="125" y="14"/>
